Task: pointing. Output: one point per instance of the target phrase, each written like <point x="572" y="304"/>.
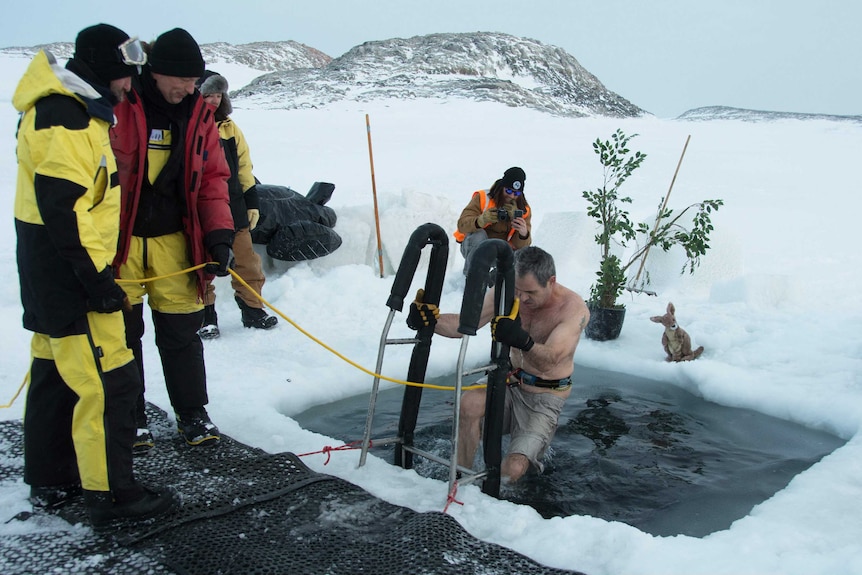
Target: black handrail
<point x="491" y="253"/>
<point x="433" y="235"/>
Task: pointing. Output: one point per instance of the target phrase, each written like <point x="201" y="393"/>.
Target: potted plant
<point x="607" y="207"/>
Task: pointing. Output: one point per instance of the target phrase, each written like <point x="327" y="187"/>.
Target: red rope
<point x="329" y="449"/>
<point x="451" y="497"/>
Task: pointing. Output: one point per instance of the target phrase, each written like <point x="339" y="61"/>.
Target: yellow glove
<point x="422" y="314"/>
<point x="511" y="209"/>
<point x="253" y="217"/>
<point x="487" y="217"/>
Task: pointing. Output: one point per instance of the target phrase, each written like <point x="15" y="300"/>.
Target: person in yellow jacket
<point x="244" y="207"/>
<point x="501" y="212"/>
<point x="79" y="420"/>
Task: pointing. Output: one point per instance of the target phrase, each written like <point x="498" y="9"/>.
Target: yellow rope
<point x="154" y="278"/>
<point x="17" y="393"/>
<point x="348" y="360"/>
<point x="288" y="320"/>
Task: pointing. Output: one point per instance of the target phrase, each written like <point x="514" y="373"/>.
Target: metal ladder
<point x="488" y="254"/>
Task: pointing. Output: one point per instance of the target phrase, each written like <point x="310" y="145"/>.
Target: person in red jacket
<point x="175" y="214"/>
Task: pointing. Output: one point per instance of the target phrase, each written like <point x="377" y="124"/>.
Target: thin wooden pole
<point x="661" y="210"/>
<point x="374" y="191"/>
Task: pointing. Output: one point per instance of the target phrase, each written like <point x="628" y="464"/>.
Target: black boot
<point x="209" y="329"/>
<point x="107" y="514"/>
<point x="144" y="441"/>
<point x="255" y="317"/>
<point x="196" y="427"/>
<point x="55" y="496"/>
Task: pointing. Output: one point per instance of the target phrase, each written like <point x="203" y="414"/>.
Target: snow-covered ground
<point x="774" y="303"/>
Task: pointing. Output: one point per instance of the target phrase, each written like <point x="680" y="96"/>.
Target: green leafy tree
<point x="607" y="207"/>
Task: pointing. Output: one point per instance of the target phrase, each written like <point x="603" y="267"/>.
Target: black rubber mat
<point x="247" y="512"/>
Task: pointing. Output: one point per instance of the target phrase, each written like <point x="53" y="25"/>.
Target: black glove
<point x="422" y="314"/>
<point x="105" y="296"/>
<point x="221" y="254"/>
<point x="507" y="329"/>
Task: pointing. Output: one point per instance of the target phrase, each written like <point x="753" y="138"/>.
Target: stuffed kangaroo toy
<point x="676" y="342"/>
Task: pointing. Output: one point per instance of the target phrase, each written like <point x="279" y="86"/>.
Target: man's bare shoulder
<point x="570" y="300"/>
<point x="572" y="309"/>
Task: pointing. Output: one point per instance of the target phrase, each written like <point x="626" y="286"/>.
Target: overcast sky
<point x="666" y="56"/>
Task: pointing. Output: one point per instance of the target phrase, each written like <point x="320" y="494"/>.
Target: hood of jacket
<point x="45" y="77"/>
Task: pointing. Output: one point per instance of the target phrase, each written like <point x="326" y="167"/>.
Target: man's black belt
<point x="525" y="378"/>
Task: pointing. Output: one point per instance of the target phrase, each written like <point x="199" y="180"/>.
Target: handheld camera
<point x="503" y="214"/>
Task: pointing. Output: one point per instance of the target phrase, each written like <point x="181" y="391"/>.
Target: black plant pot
<point x="605" y="323"/>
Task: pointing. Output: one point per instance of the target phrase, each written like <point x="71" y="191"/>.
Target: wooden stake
<point x="374" y="191"/>
<point x="661" y="210"/>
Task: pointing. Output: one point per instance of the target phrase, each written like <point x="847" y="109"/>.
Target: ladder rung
<point x="480" y="369"/>
<point x="437" y="459"/>
<point x="466" y="475"/>
<point x="427" y="455"/>
<point x="384" y="441"/>
<point x="468" y="478"/>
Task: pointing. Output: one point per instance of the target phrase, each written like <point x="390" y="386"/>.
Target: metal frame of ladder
<point x="488" y="254"/>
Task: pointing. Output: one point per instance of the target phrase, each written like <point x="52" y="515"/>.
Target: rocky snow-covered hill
<point x="477" y="66"/>
<point x="480" y="66"/>
<point x="261" y="56"/>
<point x="266" y="56"/>
<point x="727" y="113"/>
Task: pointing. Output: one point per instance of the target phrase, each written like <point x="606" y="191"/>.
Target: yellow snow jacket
<point x="241" y="182"/>
<point x="67" y="198"/>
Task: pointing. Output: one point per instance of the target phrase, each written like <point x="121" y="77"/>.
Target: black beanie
<point x="513" y="178"/>
<point x="175" y="53"/>
<point x="99" y="48"/>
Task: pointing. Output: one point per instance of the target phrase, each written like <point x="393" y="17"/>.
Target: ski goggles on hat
<point x="132" y="52"/>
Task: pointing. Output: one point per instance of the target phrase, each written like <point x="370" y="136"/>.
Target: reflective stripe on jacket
<point x="503" y="230"/>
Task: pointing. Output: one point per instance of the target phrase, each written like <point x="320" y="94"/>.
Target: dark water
<point x="627" y="449"/>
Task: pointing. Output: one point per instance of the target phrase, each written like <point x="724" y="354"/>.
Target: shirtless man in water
<point x="543" y="338"/>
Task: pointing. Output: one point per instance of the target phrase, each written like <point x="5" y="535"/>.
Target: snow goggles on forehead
<point x="132" y="52"/>
<point x="512" y="192"/>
